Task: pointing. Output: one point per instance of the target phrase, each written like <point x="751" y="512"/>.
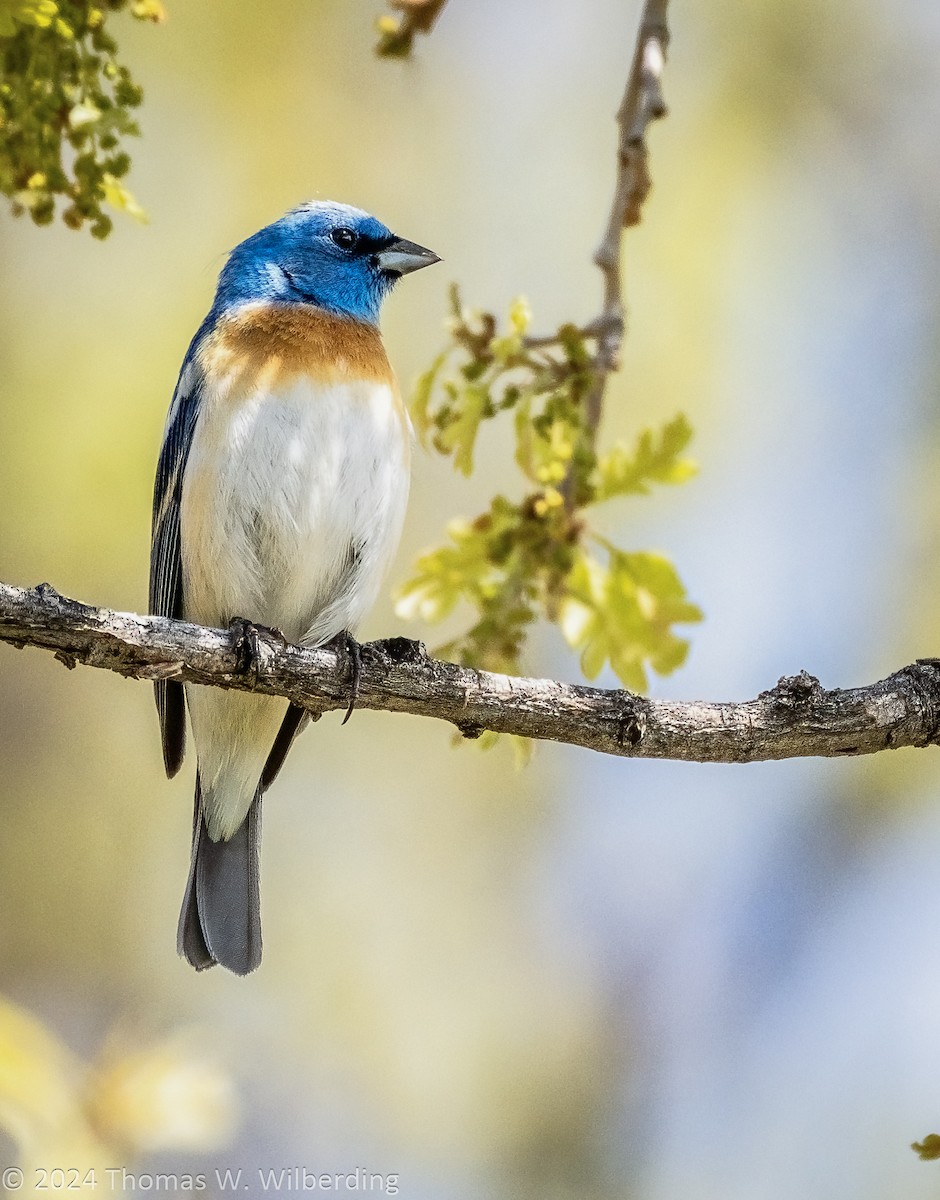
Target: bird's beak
<point x="402" y="257"/>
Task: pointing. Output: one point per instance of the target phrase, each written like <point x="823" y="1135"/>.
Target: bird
<point x="279" y="499"/>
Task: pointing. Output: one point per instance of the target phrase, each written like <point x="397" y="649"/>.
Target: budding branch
<point x="795" y="719"/>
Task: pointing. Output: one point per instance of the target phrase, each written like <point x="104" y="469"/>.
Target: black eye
<point x="344" y="238"/>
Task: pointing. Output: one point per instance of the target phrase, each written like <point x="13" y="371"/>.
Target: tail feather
<point x="294" y="721"/>
<point x="171" y="708"/>
<point x="190" y="940"/>
<point x="220" y="921"/>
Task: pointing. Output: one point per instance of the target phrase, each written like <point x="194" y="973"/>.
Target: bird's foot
<point x="346" y="645"/>
<point x="247" y="644"/>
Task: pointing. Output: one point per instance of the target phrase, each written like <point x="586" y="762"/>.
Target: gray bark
<point x="796" y="718"/>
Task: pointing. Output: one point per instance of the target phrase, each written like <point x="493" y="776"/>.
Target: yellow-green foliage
<point x="66" y="103"/>
<point x="538" y="556"/>
<point x="83" y="1118"/>
<point x="929" y="1148"/>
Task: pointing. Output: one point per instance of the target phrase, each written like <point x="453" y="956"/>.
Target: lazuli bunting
<point x="279" y="500"/>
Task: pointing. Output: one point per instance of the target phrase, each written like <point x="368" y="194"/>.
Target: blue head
<point x="331" y="255"/>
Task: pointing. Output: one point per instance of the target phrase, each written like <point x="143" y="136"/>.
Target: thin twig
<point x="795" y="719"/>
<point x="641" y="105"/>
<point x="601" y="326"/>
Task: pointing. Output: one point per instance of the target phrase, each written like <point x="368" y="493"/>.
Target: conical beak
<point x="402" y="257"/>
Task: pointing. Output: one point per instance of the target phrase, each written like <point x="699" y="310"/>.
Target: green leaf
<point x="929" y="1148"/>
<point x="506" y="347"/>
<point x="575" y="621"/>
<point x="595" y="653"/>
<point x="121" y="198"/>
<point x="58" y="60"/>
<point x="460" y="435"/>
<point x="654" y="459"/>
<point x="659" y="587"/>
<point x="84" y="114"/>
<point x="149" y="10"/>
<point x="520" y="315"/>
<point x="525" y="437"/>
<point x="528" y="559"/>
<point x="38" y="13"/>
<point x="627" y="665"/>
<point x="623" y="614"/>
<point x="574" y="345"/>
<point x="445" y="575"/>
<point x="421" y="397"/>
<point x="670" y="656"/>
<point x="582" y="616"/>
<point x="523" y="749"/>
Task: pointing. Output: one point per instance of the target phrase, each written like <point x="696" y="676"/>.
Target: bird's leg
<point x="345" y="644"/>
<point x="247" y="645"/>
<point x="354" y="657"/>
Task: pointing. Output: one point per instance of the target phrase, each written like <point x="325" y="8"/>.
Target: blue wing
<point x="166" y="572"/>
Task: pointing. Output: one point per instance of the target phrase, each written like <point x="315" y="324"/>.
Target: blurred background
<point x="591" y="978"/>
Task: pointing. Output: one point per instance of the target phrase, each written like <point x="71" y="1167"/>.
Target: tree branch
<point x="641" y="105"/>
<point x="795" y="719"/>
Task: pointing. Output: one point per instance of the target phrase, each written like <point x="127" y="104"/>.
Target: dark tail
<point x="220" y="921"/>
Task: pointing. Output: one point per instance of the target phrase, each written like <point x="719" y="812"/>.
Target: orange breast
<point x="267" y="345"/>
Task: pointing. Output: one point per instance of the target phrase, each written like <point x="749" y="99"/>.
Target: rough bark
<point x="794" y="719"/>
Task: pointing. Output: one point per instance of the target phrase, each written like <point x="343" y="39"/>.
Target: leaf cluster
<point x="538" y="556"/>
<point x="397" y="34"/>
<point x="929" y="1148"/>
<point x="66" y="104"/>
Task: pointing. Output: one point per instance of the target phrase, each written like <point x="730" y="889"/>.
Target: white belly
<point x="292" y="505"/>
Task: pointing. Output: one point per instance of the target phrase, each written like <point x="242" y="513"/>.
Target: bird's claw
<point x="345" y="644"/>
<point x="354" y="652"/>
<point x="247" y="644"/>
